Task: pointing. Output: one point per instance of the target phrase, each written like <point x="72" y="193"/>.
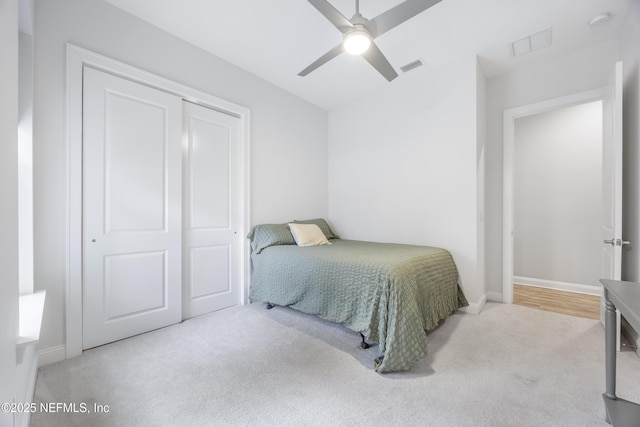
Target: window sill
<point x="31" y="310"/>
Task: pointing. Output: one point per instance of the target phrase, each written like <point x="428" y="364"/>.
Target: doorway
<point x="612" y="242"/>
<point x="558" y="198"/>
<point x="509" y="181"/>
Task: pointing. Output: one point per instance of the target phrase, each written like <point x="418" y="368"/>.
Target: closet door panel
<point x="132" y="214"/>
<point x="208" y="174"/>
<point x="212" y="210"/>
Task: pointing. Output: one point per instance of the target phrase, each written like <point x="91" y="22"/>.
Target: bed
<point x="390" y="293"/>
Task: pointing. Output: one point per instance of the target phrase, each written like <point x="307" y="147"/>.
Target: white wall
<point x="579" y="71"/>
<point x="403" y="165"/>
<point x="288" y="135"/>
<point x="8" y="203"/>
<point x="481" y="136"/>
<point x="630" y="55"/>
<point x="25" y="162"/>
<point x="558" y="195"/>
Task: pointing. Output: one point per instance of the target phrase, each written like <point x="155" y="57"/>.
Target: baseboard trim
<point x="494" y="296"/>
<point x="559" y="286"/>
<point x="475" y="307"/>
<point x="51" y="355"/>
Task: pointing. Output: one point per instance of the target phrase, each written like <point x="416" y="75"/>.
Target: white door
<point x="612" y="184"/>
<point x="212" y="244"/>
<point x="131" y="208"/>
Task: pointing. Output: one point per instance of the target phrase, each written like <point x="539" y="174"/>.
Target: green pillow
<point x="264" y="235"/>
<point x="320" y="222"/>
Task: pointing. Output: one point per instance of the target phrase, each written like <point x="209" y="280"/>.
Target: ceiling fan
<point x="359" y="32"/>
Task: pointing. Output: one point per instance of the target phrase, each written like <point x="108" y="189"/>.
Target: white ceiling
<point x="277" y="39"/>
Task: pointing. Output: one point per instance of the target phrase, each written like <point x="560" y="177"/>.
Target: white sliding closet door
<point x="132" y="226"/>
<point x="212" y="210"/>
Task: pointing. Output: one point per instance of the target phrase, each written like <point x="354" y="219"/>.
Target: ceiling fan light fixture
<point x="359" y="32"/>
<point x="357" y="42"/>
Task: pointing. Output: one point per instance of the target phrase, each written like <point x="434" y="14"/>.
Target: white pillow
<point x="308" y="235"/>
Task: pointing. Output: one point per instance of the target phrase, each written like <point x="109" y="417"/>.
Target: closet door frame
<point x="77" y="59"/>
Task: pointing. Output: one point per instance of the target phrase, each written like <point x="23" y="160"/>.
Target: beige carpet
<point x="248" y="366"/>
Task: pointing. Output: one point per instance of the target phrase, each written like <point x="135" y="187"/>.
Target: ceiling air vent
<point x="411" y="65"/>
<point x="531" y="42"/>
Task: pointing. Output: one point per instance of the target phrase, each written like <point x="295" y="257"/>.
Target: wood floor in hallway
<point x="571" y="303"/>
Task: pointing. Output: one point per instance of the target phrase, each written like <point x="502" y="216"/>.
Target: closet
<point x="162" y="208"/>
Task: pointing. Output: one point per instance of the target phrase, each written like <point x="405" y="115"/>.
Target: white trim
<point x="28" y="374"/>
<point x="475" y="307"/>
<point x="51" y="355"/>
<point x="509" y="117"/>
<point x="494" y="296"/>
<point x="77" y="59"/>
<point x="246" y="259"/>
<point x="559" y="286"/>
<point x="31" y="389"/>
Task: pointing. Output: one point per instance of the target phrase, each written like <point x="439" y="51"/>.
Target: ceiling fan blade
<point x="333" y="15"/>
<point x="322" y="60"/>
<point x="375" y="57"/>
<point x="397" y="15"/>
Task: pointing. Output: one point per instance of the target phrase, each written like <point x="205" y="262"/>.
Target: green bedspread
<point x="391" y="293"/>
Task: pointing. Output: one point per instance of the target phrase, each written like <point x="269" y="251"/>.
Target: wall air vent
<point x="412" y="65"/>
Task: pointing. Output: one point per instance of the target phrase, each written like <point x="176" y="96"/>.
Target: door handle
<point x="617" y="242"/>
